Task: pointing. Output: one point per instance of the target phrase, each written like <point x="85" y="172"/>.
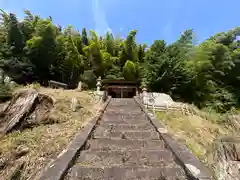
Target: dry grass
<point x="45" y="142"/>
<point x="196" y="132"/>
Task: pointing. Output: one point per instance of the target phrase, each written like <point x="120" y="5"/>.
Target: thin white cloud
<point x="173" y="12"/>
<point x="167" y="30"/>
<point x="101" y="24"/>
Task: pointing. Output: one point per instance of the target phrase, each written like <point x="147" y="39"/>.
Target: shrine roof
<point x="119" y="81"/>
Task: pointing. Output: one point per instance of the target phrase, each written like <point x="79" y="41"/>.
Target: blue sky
<point x="154" y="19"/>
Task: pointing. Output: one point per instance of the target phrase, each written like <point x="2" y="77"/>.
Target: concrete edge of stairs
<point x="192" y="165"/>
<point x="57" y="169"/>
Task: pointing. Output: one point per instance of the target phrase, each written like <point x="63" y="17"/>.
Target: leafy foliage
<point x="5" y="92"/>
<point x="205" y="74"/>
<point x="129" y="70"/>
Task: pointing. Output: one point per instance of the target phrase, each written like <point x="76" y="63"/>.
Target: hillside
<point x="36" y="147"/>
<point x="199" y="132"/>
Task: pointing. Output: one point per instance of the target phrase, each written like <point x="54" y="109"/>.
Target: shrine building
<point x="120" y="88"/>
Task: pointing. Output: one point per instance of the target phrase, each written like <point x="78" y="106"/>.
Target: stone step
<point x="124" y="144"/>
<point x="126" y="173"/>
<point x="156" y="158"/>
<point x="101" y="133"/>
<point x="132" y="106"/>
<point x="121" y="120"/>
<point x="126" y="127"/>
<point x="124" y="109"/>
<point x="123" y="116"/>
<point x="127" y="122"/>
<point x="129" y="104"/>
<point x="124" y="113"/>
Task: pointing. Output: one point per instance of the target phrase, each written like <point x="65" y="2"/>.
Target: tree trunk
<point x="17" y="110"/>
<point x="28" y="108"/>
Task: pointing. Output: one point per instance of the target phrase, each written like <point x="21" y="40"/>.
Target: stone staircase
<point x="125" y="146"/>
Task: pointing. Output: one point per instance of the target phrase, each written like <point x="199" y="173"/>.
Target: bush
<point x="88" y="79"/>
<point x="5" y="92"/>
<point x="35" y="86"/>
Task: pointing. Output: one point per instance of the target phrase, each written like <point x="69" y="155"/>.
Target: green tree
<point x="129" y="71"/>
<point x="15" y="36"/>
<point x="41" y="49"/>
<point x="129" y="48"/>
<point x="84" y="37"/>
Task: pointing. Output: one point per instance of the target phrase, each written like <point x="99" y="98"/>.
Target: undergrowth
<point x="198" y="132"/>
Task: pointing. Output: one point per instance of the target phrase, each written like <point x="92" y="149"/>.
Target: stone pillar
<point x="136" y="90"/>
<point x="144" y="94"/>
<point x="79" y="88"/>
<point x="99" y="83"/>
<point x="74" y="104"/>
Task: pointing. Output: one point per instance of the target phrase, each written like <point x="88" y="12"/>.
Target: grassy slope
<point x="46" y="142"/>
<point x="196" y="133"/>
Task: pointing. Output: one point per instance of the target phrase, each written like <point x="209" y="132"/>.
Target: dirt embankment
<point x="36" y="125"/>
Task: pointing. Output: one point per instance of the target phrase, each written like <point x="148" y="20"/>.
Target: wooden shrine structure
<point x="120" y="88"/>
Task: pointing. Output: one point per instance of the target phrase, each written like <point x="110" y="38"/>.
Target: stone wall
<point x="160" y="101"/>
